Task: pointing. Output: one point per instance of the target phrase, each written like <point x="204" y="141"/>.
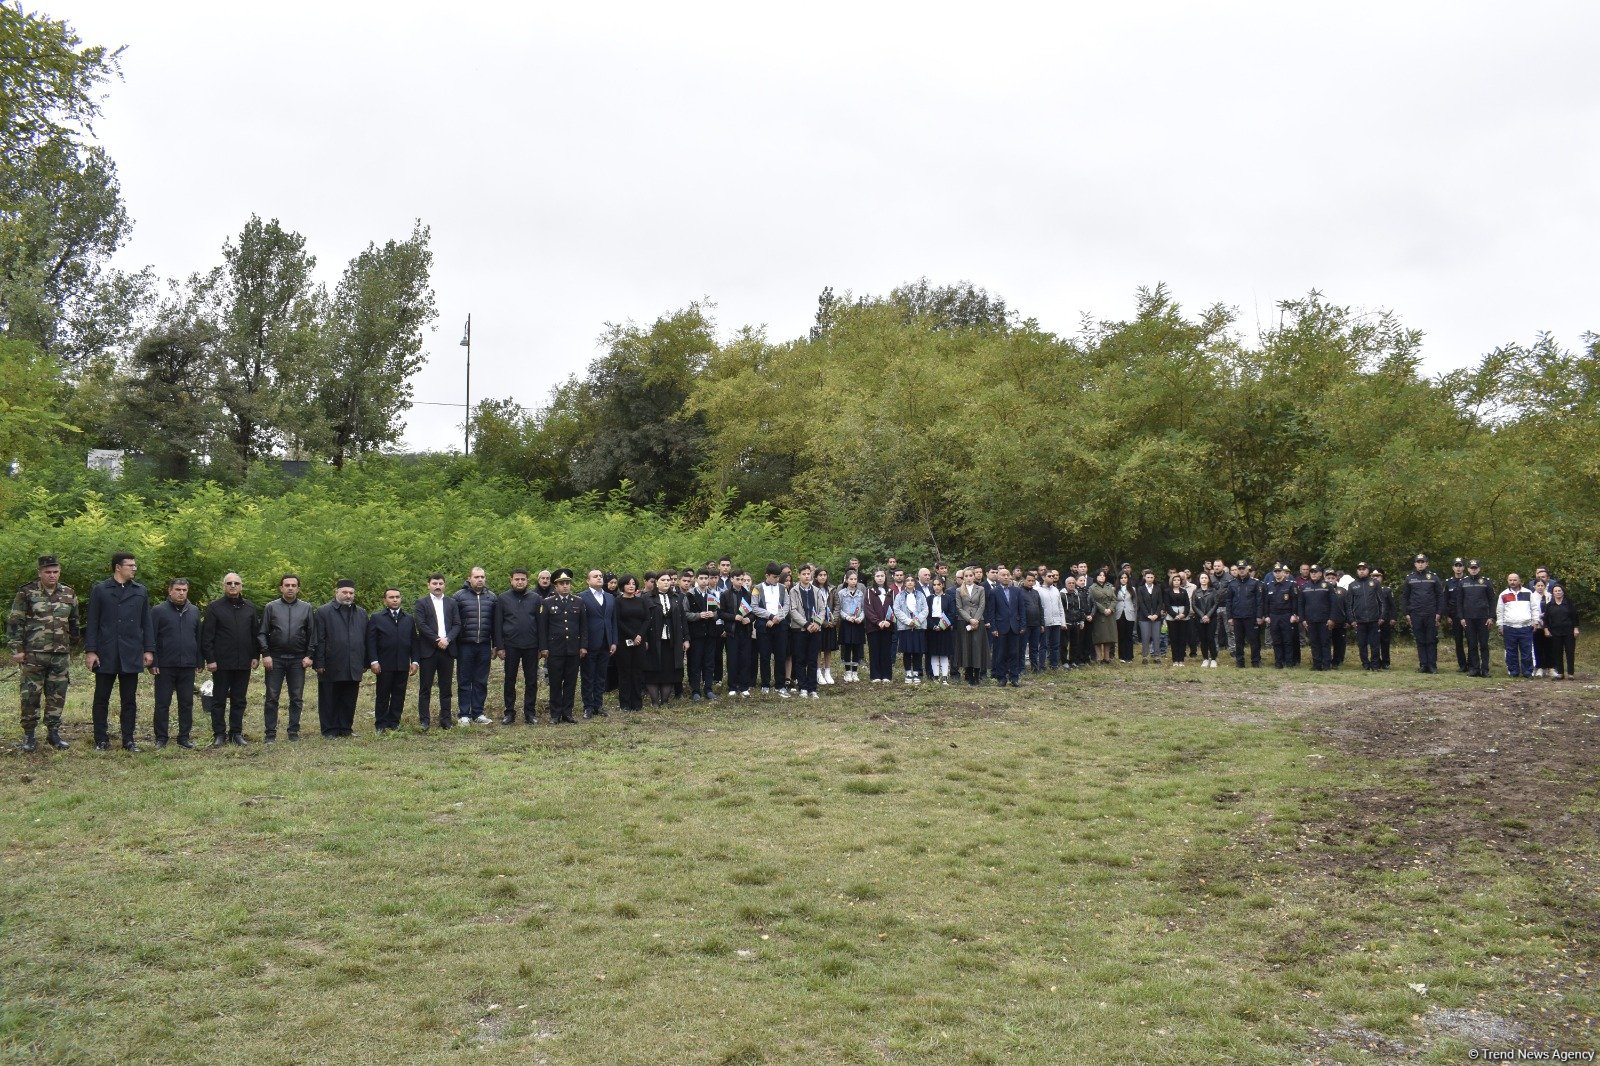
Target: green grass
<point x="1120" y="864"/>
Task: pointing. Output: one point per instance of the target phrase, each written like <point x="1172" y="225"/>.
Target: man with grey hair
<point x="228" y="645"/>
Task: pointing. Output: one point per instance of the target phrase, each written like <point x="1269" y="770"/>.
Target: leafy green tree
<point x="169" y="408"/>
<point x="371" y="345"/>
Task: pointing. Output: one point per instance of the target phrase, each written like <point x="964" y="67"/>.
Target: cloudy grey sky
<point x="586" y="163"/>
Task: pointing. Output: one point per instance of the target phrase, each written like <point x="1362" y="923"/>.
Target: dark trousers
<point x="998" y="657"/>
<point x="562" y="671"/>
<point x="228" y="691"/>
<point x="1563" y="653"/>
<point x="772" y="648"/>
<point x="1285" y="641"/>
<point x="472" y="681"/>
<point x="1206" y="633"/>
<point x="1033" y="640"/>
<point x="1477" y="639"/>
<point x="1385" y="632"/>
<point x="742" y="659"/>
<point x="1367" y="643"/>
<point x="1320" y="637"/>
<point x="593" y="667"/>
<point x="285" y="668"/>
<point x="630" y="690"/>
<point x="336" y="706"/>
<point x="175" y="681"/>
<point x="1083" y="642"/>
<point x="1425" y="627"/>
<point x="718" y="652"/>
<point x="702" y="657"/>
<point x="127" y="692"/>
<point x="1458" y="629"/>
<point x="436" y="668"/>
<point x="1246" y="633"/>
<point x="1008" y="657"/>
<point x="389" y="706"/>
<point x="1126" y="628"/>
<point x="1519" y="650"/>
<point x="881" y="649"/>
<point x="1339" y="638"/>
<point x="804" y="647"/>
<point x="1178" y="637"/>
<point x="1052" y="646"/>
<point x="850" y="655"/>
<point x="527" y="661"/>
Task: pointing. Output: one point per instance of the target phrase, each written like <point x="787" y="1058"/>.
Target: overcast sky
<point x="586" y="163"/>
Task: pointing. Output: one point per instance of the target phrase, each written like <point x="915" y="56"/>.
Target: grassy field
<point x="1148" y="864"/>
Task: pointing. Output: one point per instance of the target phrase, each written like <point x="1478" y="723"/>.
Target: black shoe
<point x="28" y="743"/>
<point x="219" y="741"/>
<point x="531" y="719"/>
<point x="508" y="719"/>
<point x="711" y="697"/>
<point x="237" y="739"/>
<point x="102" y="745"/>
<point x="294" y="735"/>
<point x="185" y="742"/>
<point x="54" y="739"/>
<point x="270" y="738"/>
<point x="130" y="745"/>
<point x="161" y="742"/>
<point x="586" y="716"/>
<point x="1016" y="684"/>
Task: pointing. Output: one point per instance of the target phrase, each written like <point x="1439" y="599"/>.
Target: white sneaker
<point x="463" y="720"/>
<point x="784" y="693"/>
<point x="1556" y="674"/>
<point x="481" y="720"/>
<point x="765" y="690"/>
<point x="816" y="695"/>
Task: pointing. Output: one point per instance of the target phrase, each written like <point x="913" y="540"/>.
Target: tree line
<point x="936" y="420"/>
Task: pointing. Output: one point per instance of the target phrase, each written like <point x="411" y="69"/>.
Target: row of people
<point x="678" y="633"/>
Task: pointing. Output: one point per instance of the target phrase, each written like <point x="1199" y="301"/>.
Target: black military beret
<point x="47" y="561"/>
<point x="344" y="583"/>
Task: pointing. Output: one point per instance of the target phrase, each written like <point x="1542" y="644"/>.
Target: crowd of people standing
<point x="688" y="633"/>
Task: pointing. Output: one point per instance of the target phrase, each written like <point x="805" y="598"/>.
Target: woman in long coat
<point x="1104" y="636"/>
<point x="972" y="639"/>
<point x="666" y="637"/>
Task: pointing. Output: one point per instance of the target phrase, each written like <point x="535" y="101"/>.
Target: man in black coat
<point x="438" y="621"/>
<point x="341" y="659"/>
<point x="563" y="622"/>
<point x="391" y="654"/>
<point x="118" y="643"/>
<point x="228" y="644"/>
<point x="516" y="641"/>
<point x="1474" y="613"/>
<point x="1422" y="599"/>
<point x="176" y="624"/>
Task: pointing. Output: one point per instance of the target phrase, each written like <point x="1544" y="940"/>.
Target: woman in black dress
<point x="830" y="627"/>
<point x="665" y="639"/>
<point x="632" y="617"/>
<point x="1561" y="630"/>
<point x="941" y="634"/>
<point x="1178" y="610"/>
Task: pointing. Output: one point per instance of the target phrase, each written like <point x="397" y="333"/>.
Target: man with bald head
<point x="228" y="645"/>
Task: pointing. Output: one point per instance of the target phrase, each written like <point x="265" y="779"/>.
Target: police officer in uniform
<point x="1474" y="614"/>
<point x="1367" y="614"/>
<point x="1452" y="586"/>
<point x="1315" y="605"/>
<point x="563" y="621"/>
<point x="1386" y="616"/>
<point x="1422" y="598"/>
<point x="1339" y="636"/>
<point x="40" y="629"/>
<point x="1281" y="602"/>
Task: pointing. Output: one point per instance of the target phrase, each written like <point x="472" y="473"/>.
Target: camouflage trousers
<point x="44" y="676"/>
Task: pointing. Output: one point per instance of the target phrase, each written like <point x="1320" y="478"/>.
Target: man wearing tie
<point x="562" y="623"/>
<point x="391" y="639"/>
<point x="1007" y="620"/>
<point x="599" y="642"/>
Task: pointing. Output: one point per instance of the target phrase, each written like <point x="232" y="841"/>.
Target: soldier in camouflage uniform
<point x="41" y="627"/>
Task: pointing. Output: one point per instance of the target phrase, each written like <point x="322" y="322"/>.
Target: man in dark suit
<point x="119" y="641"/>
<point x="176" y="622"/>
<point x="340" y="659"/>
<point x="562" y="624"/>
<point x="229" y="645"/>
<point x="437" y="618"/>
<point x="703" y="607"/>
<point x="391" y="655"/>
<point x="599" y="642"/>
<point x="1007" y="621"/>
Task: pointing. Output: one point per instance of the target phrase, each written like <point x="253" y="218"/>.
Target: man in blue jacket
<point x="599" y="643"/>
<point x="1247" y="608"/>
<point x="175" y="623"/>
<point x="516" y="642"/>
<point x="475" y="646"/>
<point x="1006" y="617"/>
<point x="118" y="642"/>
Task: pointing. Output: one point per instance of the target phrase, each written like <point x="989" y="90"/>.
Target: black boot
<point x="54" y="738"/>
<point x="28" y="743"/>
<point x="238" y="739"/>
<point x="219" y="741"/>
